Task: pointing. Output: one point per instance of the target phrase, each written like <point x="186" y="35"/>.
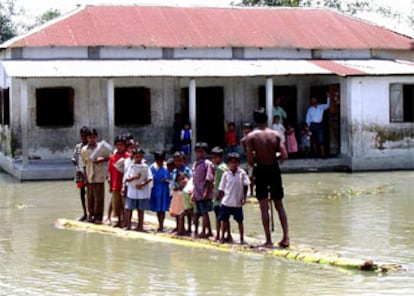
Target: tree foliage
<point x="7" y="27"/>
<point x="45" y="17"/>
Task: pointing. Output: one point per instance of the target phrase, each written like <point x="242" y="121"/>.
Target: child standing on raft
<point x="233" y="188"/>
<point x="138" y="177"/>
<point x="160" y="192"/>
<point x="203" y="178"/>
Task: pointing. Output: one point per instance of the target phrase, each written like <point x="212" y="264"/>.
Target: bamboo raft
<point x="298" y="253"/>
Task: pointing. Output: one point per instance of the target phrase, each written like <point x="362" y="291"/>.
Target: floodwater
<point x="360" y="215"/>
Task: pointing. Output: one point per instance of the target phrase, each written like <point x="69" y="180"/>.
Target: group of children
<point x="288" y="137"/>
<point x="188" y="194"/>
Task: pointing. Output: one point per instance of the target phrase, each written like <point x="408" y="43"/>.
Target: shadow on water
<point x="360" y="215"/>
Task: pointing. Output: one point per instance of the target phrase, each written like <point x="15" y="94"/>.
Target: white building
<point x="131" y="68"/>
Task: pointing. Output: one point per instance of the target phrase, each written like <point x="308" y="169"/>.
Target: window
<point x="401" y="102"/>
<point x="132" y="106"/>
<point x="54" y="106"/>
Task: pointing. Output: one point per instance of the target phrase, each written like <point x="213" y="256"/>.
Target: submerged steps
<point x="252" y="248"/>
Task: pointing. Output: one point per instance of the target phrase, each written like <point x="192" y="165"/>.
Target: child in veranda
<point x="185" y="137"/>
<point x="138" y="177"/>
<point x="233" y="190"/>
<point x="181" y="167"/>
<point x="231" y="137"/>
<point x="203" y="179"/>
<point x="160" y="192"/>
<point x="115" y="178"/>
<point x="79" y="177"/>
<point x="291" y="143"/>
<point x="95" y="178"/>
<point x="278" y="126"/>
<point x="216" y="156"/>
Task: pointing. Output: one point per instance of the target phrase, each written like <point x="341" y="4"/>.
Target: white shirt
<point x="281" y="129"/>
<point x="133" y="191"/>
<point x="233" y="187"/>
<point x="315" y="113"/>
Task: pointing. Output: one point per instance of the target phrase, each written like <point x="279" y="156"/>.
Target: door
<point x="331" y="118"/>
<point x="209" y="114"/>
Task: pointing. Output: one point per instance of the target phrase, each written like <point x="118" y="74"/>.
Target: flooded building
<point x="132" y="68"/>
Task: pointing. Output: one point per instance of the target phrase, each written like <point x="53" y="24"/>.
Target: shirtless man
<point x="263" y="146"/>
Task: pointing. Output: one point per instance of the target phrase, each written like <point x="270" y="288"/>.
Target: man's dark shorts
<point x="268" y="179"/>
<point x="226" y="212"/>
<point x="317" y="132"/>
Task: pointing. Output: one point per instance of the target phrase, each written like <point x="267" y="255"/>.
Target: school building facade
<point x="132" y="68"/>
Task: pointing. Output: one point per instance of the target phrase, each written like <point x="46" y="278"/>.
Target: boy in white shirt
<point x="138" y="177"/>
<point x="233" y="190"/>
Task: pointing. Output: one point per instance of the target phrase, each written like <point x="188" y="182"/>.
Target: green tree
<point x="7" y="27"/>
<point x="47" y="16"/>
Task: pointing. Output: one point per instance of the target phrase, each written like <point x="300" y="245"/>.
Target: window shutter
<point x="396" y="103"/>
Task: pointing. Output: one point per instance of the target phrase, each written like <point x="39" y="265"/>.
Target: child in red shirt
<point x="231" y="137"/>
<point x="115" y="176"/>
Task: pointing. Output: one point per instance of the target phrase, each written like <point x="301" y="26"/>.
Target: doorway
<point x="331" y="118"/>
<point x="209" y="114"/>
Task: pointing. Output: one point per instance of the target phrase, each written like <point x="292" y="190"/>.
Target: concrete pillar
<point x="269" y="100"/>
<point x="24" y="117"/>
<point x="111" y="109"/>
<point x="192" y="113"/>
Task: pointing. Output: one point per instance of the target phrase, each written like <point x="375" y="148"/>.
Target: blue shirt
<point x="315" y="113"/>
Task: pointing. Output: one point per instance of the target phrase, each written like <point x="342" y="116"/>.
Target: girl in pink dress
<point x="291" y="143"/>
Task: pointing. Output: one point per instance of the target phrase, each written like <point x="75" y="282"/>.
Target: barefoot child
<point x="138" y="177"/>
<point x="220" y="167"/>
<point x="94" y="171"/>
<point x="233" y="189"/>
<point x="115" y="177"/>
<point x="160" y="192"/>
<point x="77" y="163"/>
<point x="181" y="167"/>
<point x="203" y="178"/>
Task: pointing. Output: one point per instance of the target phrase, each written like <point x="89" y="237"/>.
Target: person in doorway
<point x="291" y="142"/>
<point x="95" y="178"/>
<point x="79" y="176"/>
<point x="279" y="111"/>
<point x="277" y="126"/>
<point x="186" y="136"/>
<point x="305" y="142"/>
<point x="264" y="148"/>
<point x="314" y="118"/>
<point x="160" y="192"/>
<point x="231" y="137"/>
<point x="203" y="179"/>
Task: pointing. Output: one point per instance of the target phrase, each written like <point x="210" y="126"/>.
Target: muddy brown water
<point x="359" y="215"/>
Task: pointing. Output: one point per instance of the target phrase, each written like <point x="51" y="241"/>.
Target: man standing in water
<point x="263" y="146"/>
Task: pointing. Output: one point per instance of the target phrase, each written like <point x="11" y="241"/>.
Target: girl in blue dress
<point x="160" y="193"/>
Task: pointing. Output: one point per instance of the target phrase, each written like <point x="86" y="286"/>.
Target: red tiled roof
<point x="213" y="27"/>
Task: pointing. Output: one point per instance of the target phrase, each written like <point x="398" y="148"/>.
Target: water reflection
<point x="337" y="212"/>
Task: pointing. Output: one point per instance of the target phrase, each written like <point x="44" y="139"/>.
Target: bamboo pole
<point x="298" y="253"/>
